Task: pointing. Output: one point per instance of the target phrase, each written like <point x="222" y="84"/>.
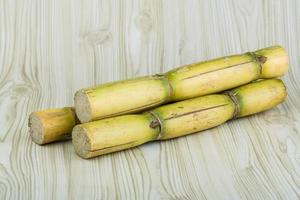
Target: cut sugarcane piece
<point x="121" y="97"/>
<point x="52" y="125"/>
<point x="135" y="95"/>
<point x="177" y="119"/>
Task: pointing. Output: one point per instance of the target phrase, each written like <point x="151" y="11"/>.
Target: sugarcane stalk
<point x="177" y="119"/>
<point x="52" y="124"/>
<point x="135" y="95"/>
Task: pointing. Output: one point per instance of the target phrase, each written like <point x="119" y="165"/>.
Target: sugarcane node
<point x="258" y="59"/>
<point x="170" y="87"/>
<point x="235" y="101"/>
<point x="262" y="59"/>
<point x="156" y="123"/>
<point x="158" y="76"/>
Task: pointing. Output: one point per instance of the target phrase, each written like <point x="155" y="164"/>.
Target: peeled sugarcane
<point x="52" y="125"/>
<point x="177" y="119"/>
<point x="134" y="95"/>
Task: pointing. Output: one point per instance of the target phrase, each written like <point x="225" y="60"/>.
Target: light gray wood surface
<point x="51" y="48"/>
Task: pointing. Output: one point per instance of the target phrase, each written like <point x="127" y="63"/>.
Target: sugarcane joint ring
<point x="260" y="59"/>
<point x="235" y="102"/>
<point x="156" y="123"/>
<point x="169" y="85"/>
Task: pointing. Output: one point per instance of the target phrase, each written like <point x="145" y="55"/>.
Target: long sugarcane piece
<point x="177" y="119"/>
<point x="52" y="125"/>
<point x="134" y="95"/>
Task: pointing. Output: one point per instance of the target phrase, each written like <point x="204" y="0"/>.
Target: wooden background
<point x="51" y="48"/>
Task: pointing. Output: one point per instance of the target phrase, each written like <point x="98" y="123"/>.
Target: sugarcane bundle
<point x="142" y="93"/>
<point x="135" y="95"/>
<point x="177" y="119"/>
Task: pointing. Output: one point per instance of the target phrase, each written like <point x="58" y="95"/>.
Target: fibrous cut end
<point x="36" y="128"/>
<point x="82" y="106"/>
<point x="81" y="142"/>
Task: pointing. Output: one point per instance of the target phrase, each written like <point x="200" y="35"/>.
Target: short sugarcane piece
<point x="177" y="119"/>
<point x="135" y="95"/>
<point x="52" y="125"/>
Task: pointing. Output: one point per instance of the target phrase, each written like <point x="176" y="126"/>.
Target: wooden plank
<point x="49" y="49"/>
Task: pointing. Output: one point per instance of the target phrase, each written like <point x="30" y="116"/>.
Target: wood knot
<point x="144" y="21"/>
<point x="97" y="37"/>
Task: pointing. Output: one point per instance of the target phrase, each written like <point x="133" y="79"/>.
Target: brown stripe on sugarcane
<point x="259" y="59"/>
<point x="133" y="110"/>
<point x="195" y="111"/>
<point x="157" y="122"/>
<point x="240" y="64"/>
<point x="119" y="145"/>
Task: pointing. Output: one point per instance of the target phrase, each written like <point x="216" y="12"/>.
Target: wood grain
<point x="49" y="49"/>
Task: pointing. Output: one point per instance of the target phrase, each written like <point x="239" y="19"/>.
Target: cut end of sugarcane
<point x="81" y="142"/>
<point x="36" y="129"/>
<point x="82" y="106"/>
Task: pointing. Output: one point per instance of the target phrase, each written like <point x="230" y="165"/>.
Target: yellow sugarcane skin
<point x="268" y="93"/>
<point x="186" y="82"/>
<point x="122" y="132"/>
<point x="194" y="115"/>
<point x="213" y="76"/>
<point x="178" y="119"/>
<point x="57" y="123"/>
<point x="127" y="96"/>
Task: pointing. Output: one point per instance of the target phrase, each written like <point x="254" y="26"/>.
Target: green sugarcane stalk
<point x="135" y="95"/>
<point x="177" y="119"/>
